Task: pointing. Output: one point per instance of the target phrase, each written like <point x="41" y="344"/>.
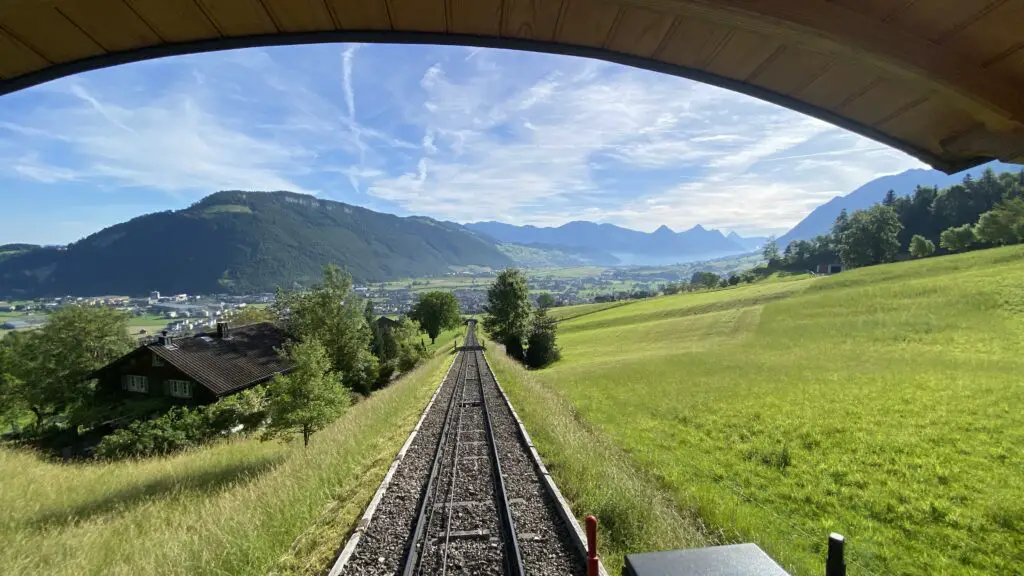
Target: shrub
<point x="921" y="247"/>
<point x="184" y="427"/>
<point x="541" y="347"/>
<point x="514" y="347"/>
<point x="957" y="238"/>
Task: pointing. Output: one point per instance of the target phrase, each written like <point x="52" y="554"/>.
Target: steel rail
<point x="412" y="553"/>
<point x="455" y="474"/>
<point x="513" y="556"/>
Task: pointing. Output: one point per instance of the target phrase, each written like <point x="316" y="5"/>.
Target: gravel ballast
<point x="463" y="527"/>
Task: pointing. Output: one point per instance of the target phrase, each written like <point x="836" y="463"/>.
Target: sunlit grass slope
<point x="563" y="313"/>
<point x="885" y="403"/>
<point x="240" y="507"/>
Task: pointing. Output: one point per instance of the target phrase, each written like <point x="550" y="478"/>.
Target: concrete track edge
<point x="364" y="522"/>
<point x="562" y="505"/>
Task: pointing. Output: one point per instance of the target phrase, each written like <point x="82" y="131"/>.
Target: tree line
<point x="983" y="212"/>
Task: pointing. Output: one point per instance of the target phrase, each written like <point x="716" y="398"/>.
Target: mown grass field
<point x="151" y="323"/>
<point x="886" y="404"/>
<point x="238" y="507"/>
<point x="564" y="313"/>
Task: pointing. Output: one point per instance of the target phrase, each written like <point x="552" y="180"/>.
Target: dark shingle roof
<point x="247" y="357"/>
<point x="385" y="322"/>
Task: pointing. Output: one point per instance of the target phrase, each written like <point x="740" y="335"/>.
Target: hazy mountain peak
<point x="631" y="246"/>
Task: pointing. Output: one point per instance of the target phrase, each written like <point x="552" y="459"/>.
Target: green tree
<point x="12" y="398"/>
<point x="46" y="369"/>
<point x="671" y="288"/>
<point x="546" y="300"/>
<point x="376" y="334"/>
<point x="921" y="247"/>
<point x="332" y="314"/>
<point x="399" y="349"/>
<point x="1004" y="224"/>
<point x="250" y="315"/>
<point x="705" y="279"/>
<point x="508" y="310"/>
<point x="871" y="237"/>
<point x="436" y="311"/>
<point x="542" y="348"/>
<point x="407" y="344"/>
<point x="840" y="227"/>
<point x="890" y="198"/>
<point x="770" y="250"/>
<point x="957" y="238"/>
<point x="306" y="399"/>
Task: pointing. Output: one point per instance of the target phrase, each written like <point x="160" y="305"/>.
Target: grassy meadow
<point x="564" y="313"/>
<point x="236" y="507"/>
<point x="885" y="403"/>
<point x="151" y="323"/>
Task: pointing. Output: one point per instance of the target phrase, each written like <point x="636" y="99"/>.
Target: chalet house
<point x="385" y="323"/>
<point x="196" y="370"/>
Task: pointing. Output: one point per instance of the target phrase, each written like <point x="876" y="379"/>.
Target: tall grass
<point x="595" y="475"/>
<point x="238" y="507"/>
<point x="884" y="403"/>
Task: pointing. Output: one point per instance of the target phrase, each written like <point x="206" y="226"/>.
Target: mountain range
<point x="236" y="241"/>
<point x="820" y="220"/>
<point x="663" y="246"/>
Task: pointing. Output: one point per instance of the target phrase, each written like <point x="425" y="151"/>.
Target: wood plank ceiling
<point x="940" y="79"/>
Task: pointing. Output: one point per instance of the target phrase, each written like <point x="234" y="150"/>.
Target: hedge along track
<point x="467" y="496"/>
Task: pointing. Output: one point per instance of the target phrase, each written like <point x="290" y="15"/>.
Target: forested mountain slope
<point x="243" y="242"/>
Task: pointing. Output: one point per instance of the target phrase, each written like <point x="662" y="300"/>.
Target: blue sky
<point x="455" y="133"/>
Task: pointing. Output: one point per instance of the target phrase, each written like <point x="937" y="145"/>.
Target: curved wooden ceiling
<point x="939" y="79"/>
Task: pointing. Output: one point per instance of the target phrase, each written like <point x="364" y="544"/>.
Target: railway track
<point x="467" y="497"/>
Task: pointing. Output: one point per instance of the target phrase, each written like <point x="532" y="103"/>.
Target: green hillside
<point x="240" y="506"/>
<point x="245" y="242"/>
<point x="884" y="403"/>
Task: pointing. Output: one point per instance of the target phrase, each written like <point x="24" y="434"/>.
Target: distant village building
<point x="154" y="295"/>
<point x="199" y="369"/>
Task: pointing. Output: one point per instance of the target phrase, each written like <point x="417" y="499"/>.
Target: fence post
<point x="592" y="557"/>
<point x="835" y="565"/>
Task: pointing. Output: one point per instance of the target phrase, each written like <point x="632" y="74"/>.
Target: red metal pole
<point x="592" y="557"/>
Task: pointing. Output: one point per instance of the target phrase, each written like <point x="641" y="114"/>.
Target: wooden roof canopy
<point x="939" y="79"/>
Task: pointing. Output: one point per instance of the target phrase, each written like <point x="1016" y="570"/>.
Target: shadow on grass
<point x="124" y="500"/>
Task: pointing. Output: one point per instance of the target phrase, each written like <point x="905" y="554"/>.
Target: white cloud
<point x="677" y="152"/>
<point x="170" y="143"/>
<point x="31" y="167"/>
<point x="462" y="134"/>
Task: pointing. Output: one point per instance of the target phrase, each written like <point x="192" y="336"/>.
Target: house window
<point x="133" y="383"/>
<point x="157" y="361"/>
<point x="179" y="388"/>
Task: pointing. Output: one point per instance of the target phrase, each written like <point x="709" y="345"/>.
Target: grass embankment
<point x="884" y="403"/>
<point x="563" y="313"/>
<point x="238" y="507"/>
<point x="445" y="340"/>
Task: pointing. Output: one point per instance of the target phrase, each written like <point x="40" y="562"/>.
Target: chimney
<point x="164" y="339"/>
<point x="222" y="330"/>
